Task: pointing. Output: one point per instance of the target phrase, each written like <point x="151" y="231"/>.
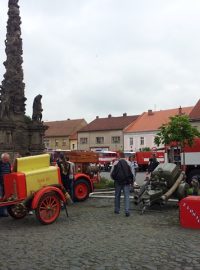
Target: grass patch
<point x="104" y="183"/>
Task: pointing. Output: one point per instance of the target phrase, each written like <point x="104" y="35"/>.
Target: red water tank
<point x="189" y="211"/>
<point x="15" y="185"/>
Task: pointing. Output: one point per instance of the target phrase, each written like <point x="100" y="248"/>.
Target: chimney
<point x="97" y="117"/>
<point x="109" y="116"/>
<point x="124" y="114"/>
<point x="180" y="111"/>
<point x="150" y="112"/>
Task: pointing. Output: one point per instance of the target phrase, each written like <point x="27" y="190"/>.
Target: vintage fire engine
<point x="34" y="185"/>
<point x="86" y="171"/>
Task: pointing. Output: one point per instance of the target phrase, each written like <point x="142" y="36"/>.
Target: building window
<point x="83" y="140"/>
<point x="56" y="143"/>
<point x="64" y="143"/>
<point x="99" y="140"/>
<point x="46" y="143"/>
<point x="115" y="139"/>
<point x="141" y="140"/>
<point x="131" y="141"/>
<point x="73" y="146"/>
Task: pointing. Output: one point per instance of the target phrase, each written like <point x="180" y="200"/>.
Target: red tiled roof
<point x="64" y="128"/>
<point x="153" y="120"/>
<point x="73" y="136"/>
<point x="195" y="113"/>
<point x="109" y="123"/>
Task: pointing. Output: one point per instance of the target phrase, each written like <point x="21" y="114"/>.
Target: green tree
<point x="178" y="130"/>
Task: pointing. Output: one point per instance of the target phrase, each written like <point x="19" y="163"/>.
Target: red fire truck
<point x="142" y="158"/>
<point x="188" y="158"/>
<point x="106" y="159"/>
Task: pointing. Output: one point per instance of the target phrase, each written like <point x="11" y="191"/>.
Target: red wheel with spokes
<point x="81" y="190"/>
<point x="48" y="208"/>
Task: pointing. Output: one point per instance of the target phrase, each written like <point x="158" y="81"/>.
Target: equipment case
<point x="189" y="212"/>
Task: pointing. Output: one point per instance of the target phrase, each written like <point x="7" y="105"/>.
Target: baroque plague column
<point x="18" y="132"/>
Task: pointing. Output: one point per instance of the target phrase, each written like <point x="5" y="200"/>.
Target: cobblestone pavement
<point x="93" y="237"/>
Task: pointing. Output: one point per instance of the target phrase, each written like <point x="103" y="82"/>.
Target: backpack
<point x="122" y="173"/>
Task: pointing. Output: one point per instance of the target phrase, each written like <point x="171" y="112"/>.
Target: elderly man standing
<point x="5" y="168"/>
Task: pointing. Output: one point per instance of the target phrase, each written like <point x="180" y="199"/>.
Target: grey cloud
<point x="95" y="57"/>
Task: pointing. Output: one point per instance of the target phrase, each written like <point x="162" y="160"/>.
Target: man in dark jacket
<point x="122" y="174"/>
<point x="153" y="163"/>
<point x="5" y="168"/>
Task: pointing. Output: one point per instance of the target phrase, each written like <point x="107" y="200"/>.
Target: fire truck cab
<point x="143" y="157"/>
<point x="106" y="159"/>
<point x="188" y="158"/>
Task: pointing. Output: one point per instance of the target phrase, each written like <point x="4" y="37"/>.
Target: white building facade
<point x="136" y="141"/>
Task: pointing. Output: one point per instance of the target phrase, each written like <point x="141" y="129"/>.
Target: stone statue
<point x="37" y="108"/>
<point x="13" y="2"/>
<point x="4" y="106"/>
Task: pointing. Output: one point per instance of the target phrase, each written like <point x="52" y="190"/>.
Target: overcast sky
<point x="100" y="57"/>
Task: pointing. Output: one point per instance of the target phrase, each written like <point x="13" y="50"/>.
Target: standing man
<point x="64" y="169"/>
<point x="122" y="174"/>
<point x="5" y="168"/>
<point x="70" y="178"/>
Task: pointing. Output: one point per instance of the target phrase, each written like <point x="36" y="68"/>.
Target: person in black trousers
<point x="5" y="168"/>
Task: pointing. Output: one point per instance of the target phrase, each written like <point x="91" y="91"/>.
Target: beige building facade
<point x="56" y="142"/>
<point x="63" y="134"/>
<point x="106" y="140"/>
<point x="104" y="133"/>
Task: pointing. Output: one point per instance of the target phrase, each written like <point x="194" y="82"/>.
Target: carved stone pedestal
<point x="21" y="137"/>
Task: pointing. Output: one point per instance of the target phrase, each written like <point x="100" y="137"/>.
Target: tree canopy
<point x="179" y="130"/>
